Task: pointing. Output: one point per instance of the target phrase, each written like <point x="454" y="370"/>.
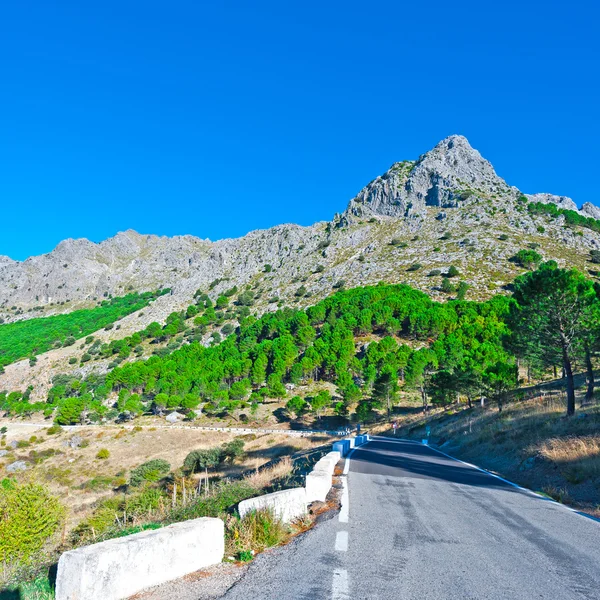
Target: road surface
<point x="419" y="525"/>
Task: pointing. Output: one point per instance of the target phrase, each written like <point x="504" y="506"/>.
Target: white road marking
<point x="340" y="589"/>
<point x="341" y="541"/>
<point x="345" y="508"/>
<point x="515" y="485"/>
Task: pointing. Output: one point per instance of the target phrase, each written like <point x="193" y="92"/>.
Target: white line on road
<point x="340" y="589"/>
<point x="516" y="485"/>
<point x="341" y="541"/>
<point x="345" y="508"/>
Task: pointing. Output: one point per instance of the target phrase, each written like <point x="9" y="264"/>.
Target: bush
<point x="434" y="273"/>
<point x="103" y="454"/>
<point x="414" y="267"/>
<point x="595" y="256"/>
<point x="257" y="531"/>
<point x="54" y="429"/>
<point x="224" y="499"/>
<point x="527" y="258"/>
<point x="29" y="516"/>
<point x="152" y="470"/>
<point x="452" y="271"/>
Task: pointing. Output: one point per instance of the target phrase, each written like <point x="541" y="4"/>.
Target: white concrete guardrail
<point x="121" y="567"/>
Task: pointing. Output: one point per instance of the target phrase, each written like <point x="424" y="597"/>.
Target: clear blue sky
<point x="214" y="117"/>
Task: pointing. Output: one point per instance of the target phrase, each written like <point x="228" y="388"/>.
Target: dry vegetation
<point x="81" y="479"/>
<point x="530" y="442"/>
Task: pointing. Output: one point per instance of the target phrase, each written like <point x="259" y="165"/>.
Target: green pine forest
<point x="370" y="343"/>
<point x="23" y="339"/>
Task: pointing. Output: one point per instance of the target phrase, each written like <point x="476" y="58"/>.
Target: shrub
<point x="103" y="454"/>
<point x="152" y="470"/>
<point x="53" y="430"/>
<point x="232" y="450"/>
<point x="447" y="286"/>
<point x="434" y="273"/>
<point x="72" y="360"/>
<point x="527" y="258"/>
<point x="452" y="271"/>
<point x="503" y="237"/>
<point x="29" y="516"/>
<point x="257" y="531"/>
<point x="595" y="256"/>
<point x="414" y="267"/>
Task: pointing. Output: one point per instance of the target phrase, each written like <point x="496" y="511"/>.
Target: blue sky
<point x="216" y="117"/>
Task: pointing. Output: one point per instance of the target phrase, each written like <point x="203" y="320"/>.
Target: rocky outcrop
<point x="560" y="201"/>
<point x="590" y="210"/>
<point x="447" y="177"/>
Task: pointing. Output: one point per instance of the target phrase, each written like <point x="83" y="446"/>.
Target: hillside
<point x="410" y="225"/>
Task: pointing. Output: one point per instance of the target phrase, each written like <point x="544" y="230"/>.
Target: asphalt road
<point x="419" y="525"/>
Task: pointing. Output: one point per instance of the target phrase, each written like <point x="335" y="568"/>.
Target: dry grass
<point x="530" y="442"/>
<point x="265" y="477"/>
<point x="577" y="457"/>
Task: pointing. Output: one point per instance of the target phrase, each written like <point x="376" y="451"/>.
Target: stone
<point x="560" y="201"/>
<point x="318" y="484"/>
<point x="590" y="210"/>
<point x="19" y="465"/>
<point x="119" y="568"/>
<point x="173" y="417"/>
<point x="3" y="453"/>
<point x="73" y="442"/>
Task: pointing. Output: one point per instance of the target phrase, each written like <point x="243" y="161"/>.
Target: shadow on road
<point x="412" y="460"/>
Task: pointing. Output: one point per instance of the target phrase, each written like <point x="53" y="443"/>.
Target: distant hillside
<point x="446" y="213"/>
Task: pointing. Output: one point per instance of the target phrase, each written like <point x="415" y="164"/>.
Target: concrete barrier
<point x="286" y="504"/>
<point x="119" y="568"/>
<point x="351" y="442"/>
<point x="318" y="484"/>
<point x="340" y="447"/>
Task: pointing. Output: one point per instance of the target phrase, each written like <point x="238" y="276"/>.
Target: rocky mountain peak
<point x="446" y="176"/>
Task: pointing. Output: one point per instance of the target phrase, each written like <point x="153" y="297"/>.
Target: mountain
<point x="447" y="208"/>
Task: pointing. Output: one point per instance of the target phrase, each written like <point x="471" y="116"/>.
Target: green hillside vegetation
<point x="572" y="217"/>
<point x="24" y="339"/>
<point x="370" y="343"/>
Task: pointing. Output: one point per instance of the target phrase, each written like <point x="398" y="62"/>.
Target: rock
<point x="447" y="176"/>
<point x="19" y="465"/>
<point x="3" y="453"/>
<point x="13" y="444"/>
<point x="590" y="210"/>
<point x="560" y="201"/>
<point x="441" y="216"/>
<point x="74" y="442"/>
<point x="174" y="417"/>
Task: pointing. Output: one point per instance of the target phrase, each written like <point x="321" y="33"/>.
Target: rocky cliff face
<point x="448" y="207"/>
<point x="446" y="177"/>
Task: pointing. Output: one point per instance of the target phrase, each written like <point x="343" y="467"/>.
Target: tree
<point x="296" y="406"/>
<point x="499" y="379"/>
<point x="205" y="459"/>
<point x="69" y="411"/>
<point x="232" y="450"/>
<point x="319" y="402"/>
<point x="385" y="388"/>
<point x="548" y="318"/>
<point x="527" y="258"/>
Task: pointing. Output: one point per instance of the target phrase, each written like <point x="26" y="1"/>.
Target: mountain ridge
<point x="409" y="198"/>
